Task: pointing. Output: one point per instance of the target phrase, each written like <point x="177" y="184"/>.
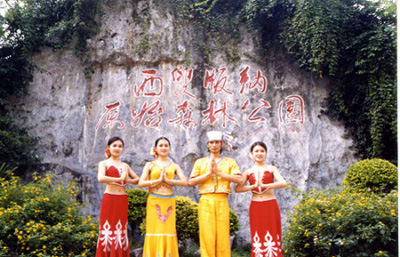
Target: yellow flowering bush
<point x="341" y="223"/>
<point x="41" y="219"/>
<point x="377" y="175"/>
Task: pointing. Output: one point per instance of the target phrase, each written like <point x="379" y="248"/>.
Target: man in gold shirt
<point x="214" y="174"/>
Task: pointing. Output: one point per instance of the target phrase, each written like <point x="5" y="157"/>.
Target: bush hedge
<point x="376" y="175"/>
<point x="358" y="219"/>
<point x="42" y="219"/>
<point x="137" y="199"/>
<point x="342" y="223"/>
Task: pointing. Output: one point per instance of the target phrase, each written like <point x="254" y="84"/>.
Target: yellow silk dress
<point x="161" y="239"/>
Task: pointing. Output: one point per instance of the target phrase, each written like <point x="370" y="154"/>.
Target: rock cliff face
<point x="149" y="81"/>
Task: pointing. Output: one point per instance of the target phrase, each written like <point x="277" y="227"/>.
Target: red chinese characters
<point x="152" y="110"/>
<point x="111" y="116"/>
<point x="151" y="85"/>
<point x="256" y="108"/>
<point x="182" y="78"/>
<point x="259" y="81"/>
<point x="216" y="85"/>
<point x="252" y="117"/>
<point x="213" y="115"/>
<point x="291" y="110"/>
<point x="185" y="117"/>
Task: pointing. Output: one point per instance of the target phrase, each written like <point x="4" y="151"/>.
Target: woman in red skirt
<point x="113" y="236"/>
<point x="265" y="217"/>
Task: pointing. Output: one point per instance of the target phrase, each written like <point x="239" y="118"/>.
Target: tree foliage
<point x="354" y="43"/>
<point x="27" y="26"/>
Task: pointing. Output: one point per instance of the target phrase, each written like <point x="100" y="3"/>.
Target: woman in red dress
<point x="265" y="217"/>
<point x="113" y="236"/>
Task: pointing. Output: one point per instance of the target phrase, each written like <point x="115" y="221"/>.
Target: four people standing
<point x="213" y="175"/>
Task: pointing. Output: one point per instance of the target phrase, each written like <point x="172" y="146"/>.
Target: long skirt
<point x="214" y="225"/>
<point x="266" y="230"/>
<point x="113" y="236"/>
<point x="161" y="239"/>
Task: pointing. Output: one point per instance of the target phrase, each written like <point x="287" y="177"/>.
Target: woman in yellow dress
<point x="161" y="239"/>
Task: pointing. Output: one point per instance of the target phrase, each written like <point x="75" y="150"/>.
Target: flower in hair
<point x="107" y="152"/>
<point x="153" y="152"/>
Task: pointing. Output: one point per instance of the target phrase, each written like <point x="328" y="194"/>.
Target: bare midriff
<point x="115" y="189"/>
<point x="163" y="189"/>
<point x="267" y="195"/>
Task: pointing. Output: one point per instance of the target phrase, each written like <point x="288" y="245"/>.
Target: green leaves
<point x="42" y="219"/>
<point x="376" y="175"/>
<point x="357" y="219"/>
<point x="353" y="42"/>
<point x="337" y="222"/>
<point x="316" y="34"/>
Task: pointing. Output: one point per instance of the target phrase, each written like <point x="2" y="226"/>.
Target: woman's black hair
<point x="113" y="139"/>
<point x="160" y="138"/>
<point x="260" y="143"/>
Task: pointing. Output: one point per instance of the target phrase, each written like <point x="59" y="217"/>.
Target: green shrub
<point x="137" y="199"/>
<point x="41" y="219"/>
<point x="376" y="175"/>
<point x="17" y="147"/>
<point x="187" y="223"/>
<point x="342" y="223"/>
<point x="234" y="224"/>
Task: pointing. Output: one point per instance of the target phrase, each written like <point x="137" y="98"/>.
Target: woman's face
<point x="163" y="147"/>
<point x="116" y="148"/>
<point x="259" y="153"/>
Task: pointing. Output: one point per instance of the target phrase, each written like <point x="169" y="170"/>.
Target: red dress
<point x="265" y="222"/>
<point x="113" y="235"/>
